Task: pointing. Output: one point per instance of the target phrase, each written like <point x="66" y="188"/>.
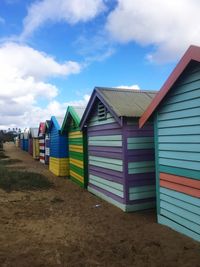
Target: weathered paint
<point x="58" y="161"/>
<point x="121" y="161"/>
<point x="177" y="124"/>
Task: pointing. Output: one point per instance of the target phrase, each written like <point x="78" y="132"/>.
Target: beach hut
<point x="120" y="155"/>
<point x="21" y="141"/>
<point x="31" y="135"/>
<point x="41" y="137"/>
<point x="47" y="141"/>
<point x="176" y="114"/>
<point x="58" y="161"/>
<point x="77" y="145"/>
<point x="25" y="141"/>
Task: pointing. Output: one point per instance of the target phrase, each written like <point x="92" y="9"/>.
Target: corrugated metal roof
<point x="127" y="102"/>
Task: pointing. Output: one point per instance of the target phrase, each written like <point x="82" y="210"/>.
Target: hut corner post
<point x="125" y="161"/>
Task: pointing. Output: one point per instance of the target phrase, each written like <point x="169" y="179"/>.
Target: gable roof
<point x="193" y="53"/>
<point x="57" y="122"/>
<point x="74" y="112"/>
<point x="41" y="128"/>
<point x="33" y="132"/>
<point x="120" y="102"/>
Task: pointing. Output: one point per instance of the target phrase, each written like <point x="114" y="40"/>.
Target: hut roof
<point x="57" y="121"/>
<point x="120" y="102"/>
<point x="192" y="54"/>
<point x="74" y="112"/>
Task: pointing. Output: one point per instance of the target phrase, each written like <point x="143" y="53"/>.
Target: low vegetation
<point x="17" y="180"/>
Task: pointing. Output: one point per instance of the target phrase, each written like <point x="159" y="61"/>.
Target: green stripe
<point x="76" y="155"/>
<point x="76" y="169"/>
<point x="180" y="172"/>
<point x="134" y="140"/>
<point x="106" y="138"/>
<point x="141" y="164"/>
<point x="106" y="160"/>
<point x="101" y="180"/>
<point x="178" y="227"/>
<point x="105" y="143"/>
<point x="141" y="189"/>
<point x="140" y="146"/>
<point x="106" y="165"/>
<point x="142" y="195"/>
<point x="141" y="170"/>
<point x="77" y="181"/>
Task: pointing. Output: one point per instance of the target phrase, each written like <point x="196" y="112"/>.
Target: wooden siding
<point x="36" y="149"/>
<point x="47" y="148"/>
<point x="77" y="154"/>
<point x="105" y="158"/>
<point x="42" y="149"/>
<point x="59" y="166"/>
<point x="178" y="155"/>
<point x="140" y="163"/>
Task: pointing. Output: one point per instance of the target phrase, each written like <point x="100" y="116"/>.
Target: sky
<point x="54" y="52"/>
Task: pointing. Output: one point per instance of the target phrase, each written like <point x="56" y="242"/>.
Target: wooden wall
<point x="77" y="155"/>
<point x="47" y="148"/>
<point x="58" y="162"/>
<point x="177" y="136"/>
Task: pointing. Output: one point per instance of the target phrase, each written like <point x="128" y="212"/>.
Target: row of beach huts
<point x="135" y="149"/>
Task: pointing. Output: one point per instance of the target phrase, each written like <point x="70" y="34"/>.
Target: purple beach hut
<point x="120" y="155"/>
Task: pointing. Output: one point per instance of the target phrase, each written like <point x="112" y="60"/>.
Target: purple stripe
<point x="101" y="132"/>
<point x="143" y="182"/>
<point x="117" y="198"/>
<point x="105" y="171"/>
<point x="110" y="126"/>
<point x="140" y="133"/>
<point x="140" y="201"/>
<point x="106" y="154"/>
<point x="105" y="148"/>
<point x="141" y="176"/>
<point x="138" y="152"/>
<point x="106" y="176"/>
<point x="138" y="158"/>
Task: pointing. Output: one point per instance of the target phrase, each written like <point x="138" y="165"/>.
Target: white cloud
<point x="170" y="26"/>
<point x="131" y="87"/>
<point x="2" y="20"/>
<point x="23" y="81"/>
<point x="60" y="10"/>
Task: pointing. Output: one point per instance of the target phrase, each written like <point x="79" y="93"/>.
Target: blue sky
<point x="54" y="52"/>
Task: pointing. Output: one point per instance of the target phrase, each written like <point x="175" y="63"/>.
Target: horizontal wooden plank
<point x="179" y="122"/>
<point x="141" y="170"/>
<point x="141" y="164"/>
<point x="140" y="146"/>
<point x="105" y="138"/>
<point x="193" y="165"/>
<point x="193" y="103"/>
<point x="182" y="221"/>
<point x="180" y="212"/>
<point x="99" y="179"/>
<point x="76" y="148"/>
<point x="180" y="147"/>
<point x="180" y="188"/>
<point x="180" y="180"/>
<point x="76" y="176"/>
<point x="177" y="227"/>
<point x="180" y="203"/>
<point x="179" y="114"/>
<point x="113" y="164"/>
<point x="105" y="143"/>
<point x="142" y="188"/>
<point x="133" y="140"/>
<point x="183" y="130"/>
<point x="76" y="162"/>
<point x="101" y="122"/>
<point x="142" y="195"/>
<point x="180" y="196"/>
<point x="179" y="139"/>
<point x="188" y="156"/>
<point x="179" y="171"/>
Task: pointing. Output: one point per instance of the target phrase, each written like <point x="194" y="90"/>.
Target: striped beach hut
<point x="120" y="155"/>
<point x="33" y="132"/>
<point x="77" y="145"/>
<point x="41" y="137"/>
<point x="176" y="113"/>
<point x="47" y="141"/>
<point x="58" y="161"/>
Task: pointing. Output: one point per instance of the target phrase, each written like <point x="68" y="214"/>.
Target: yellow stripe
<point x="76" y="162"/>
<point x="59" y="167"/>
<point x="76" y="148"/>
<point x="75" y="134"/>
<point x="77" y="176"/>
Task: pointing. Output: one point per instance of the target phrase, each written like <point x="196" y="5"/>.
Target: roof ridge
<point x="125" y="90"/>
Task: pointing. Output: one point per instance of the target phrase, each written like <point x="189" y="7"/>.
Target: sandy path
<point x="37" y="231"/>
